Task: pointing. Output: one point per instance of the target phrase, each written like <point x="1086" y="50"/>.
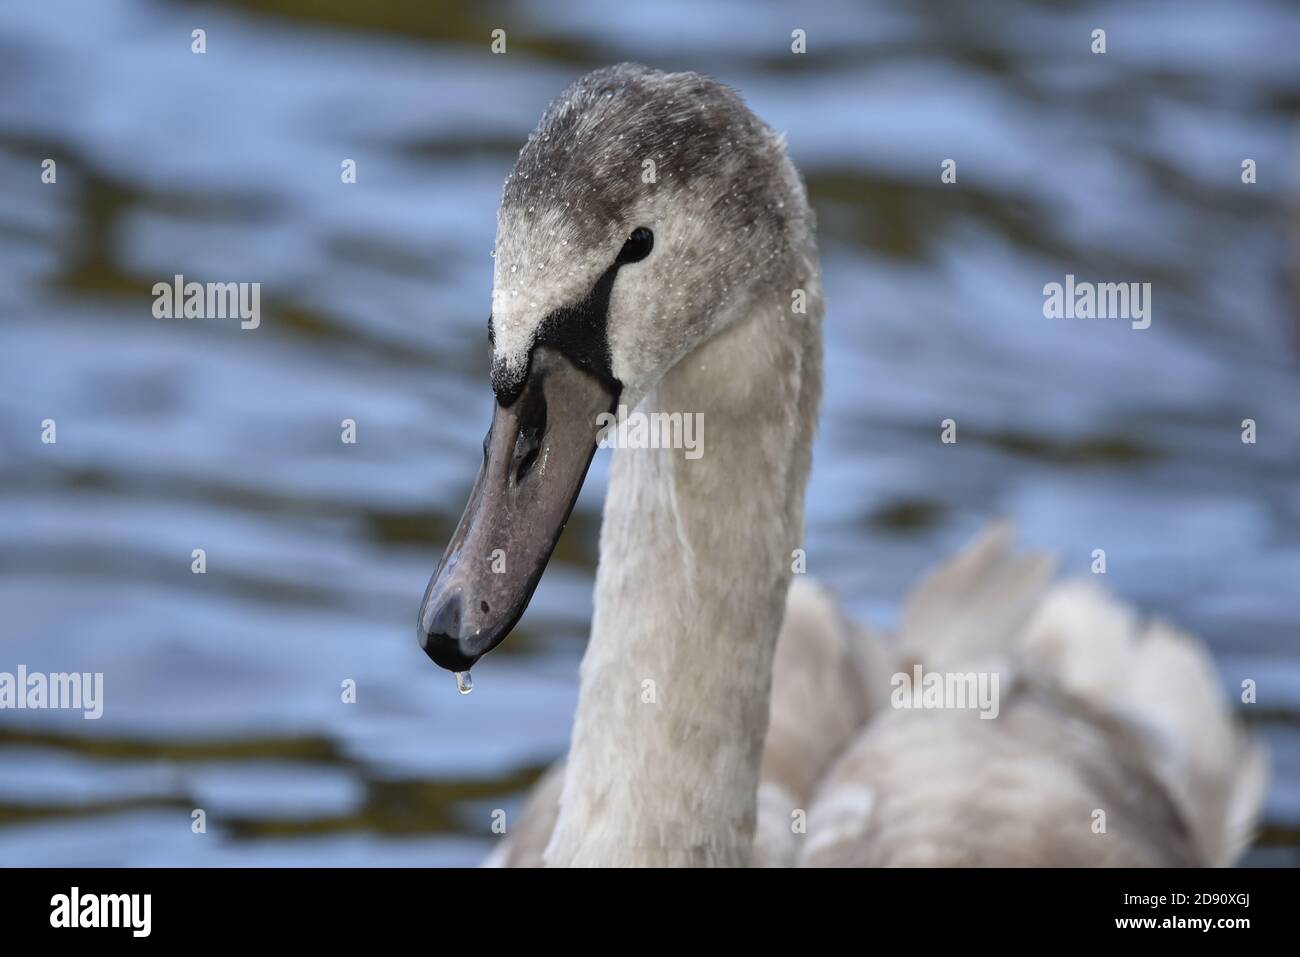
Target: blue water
<point x="222" y="691"/>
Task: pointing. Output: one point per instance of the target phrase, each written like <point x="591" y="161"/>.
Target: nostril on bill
<point x="527" y="446"/>
<point x="532" y="426"/>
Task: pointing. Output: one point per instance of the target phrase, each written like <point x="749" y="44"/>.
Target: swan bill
<point x="536" y="456"/>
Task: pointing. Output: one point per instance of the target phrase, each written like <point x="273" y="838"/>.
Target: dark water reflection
<point x="223" y="689"/>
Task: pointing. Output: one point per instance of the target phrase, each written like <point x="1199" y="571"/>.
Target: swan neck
<point x="696" y="558"/>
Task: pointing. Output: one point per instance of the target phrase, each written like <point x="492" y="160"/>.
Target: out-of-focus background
<point x="223" y="690"/>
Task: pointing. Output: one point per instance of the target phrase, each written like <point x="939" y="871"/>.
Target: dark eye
<point x="638" y="246"/>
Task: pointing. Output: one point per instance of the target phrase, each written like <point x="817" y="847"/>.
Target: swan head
<point x="642" y="214"/>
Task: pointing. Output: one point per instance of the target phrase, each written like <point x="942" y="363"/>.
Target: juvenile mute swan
<point x="655" y="250"/>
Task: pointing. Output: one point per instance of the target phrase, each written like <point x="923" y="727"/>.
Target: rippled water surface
<point x="223" y="690"/>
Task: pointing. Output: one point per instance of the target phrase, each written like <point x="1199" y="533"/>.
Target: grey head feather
<point x="579" y="187"/>
<point x="592" y="141"/>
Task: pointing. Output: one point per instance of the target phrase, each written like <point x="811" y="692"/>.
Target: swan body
<point x="1098" y="713"/>
<point x="726" y="717"/>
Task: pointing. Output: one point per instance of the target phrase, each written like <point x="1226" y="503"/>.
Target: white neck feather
<point x="690" y="594"/>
